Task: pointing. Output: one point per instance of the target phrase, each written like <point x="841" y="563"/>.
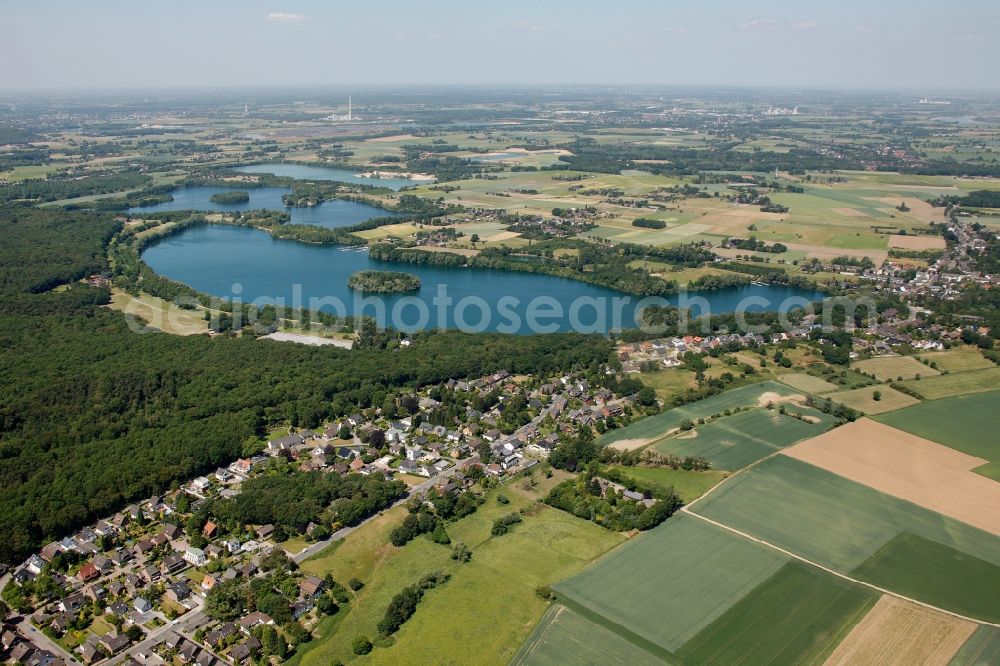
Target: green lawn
<point x="959" y="383"/>
<point x="834" y="521"/>
<point x="733" y="442"/>
<point x="863" y="399"/>
<point x="564" y="637"/>
<point x="495" y="590"/>
<point x="958" y="360"/>
<point x="807" y="383"/>
<point x="668" y="382"/>
<point x="798" y="616"/>
<point x="294" y="545"/>
<point x="894" y="367"/>
<point x="666" y="585"/>
<point x="936" y="574"/>
<point x="688" y="485"/>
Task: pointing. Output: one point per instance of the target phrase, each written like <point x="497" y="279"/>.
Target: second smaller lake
<point x="311" y="172"/>
<point x="330" y="214"/>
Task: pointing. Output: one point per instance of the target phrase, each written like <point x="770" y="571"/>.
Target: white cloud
<point x="524" y="26"/>
<point x="759" y="23"/>
<point x="285" y="17"/>
<point x="863" y="28"/>
<point x="771" y="24"/>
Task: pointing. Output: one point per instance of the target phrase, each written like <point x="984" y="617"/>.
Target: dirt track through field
<point x="629" y="444"/>
<point x="908" y="467"/>
<point x="896" y="632"/>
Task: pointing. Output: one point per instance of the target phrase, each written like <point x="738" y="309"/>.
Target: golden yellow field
<point x="900" y="633"/>
<point x="908" y="467"/>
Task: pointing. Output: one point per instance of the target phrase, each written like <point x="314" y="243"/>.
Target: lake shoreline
<point x="238" y="262"/>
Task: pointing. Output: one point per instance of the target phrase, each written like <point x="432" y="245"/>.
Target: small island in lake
<point x="383" y="282"/>
<point x="235" y="197"/>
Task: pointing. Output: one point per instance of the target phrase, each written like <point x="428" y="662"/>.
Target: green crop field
<point x="982" y="648"/>
<point x="958" y="360"/>
<point x="654" y="427"/>
<point x="688" y="485"/>
<point x="797" y="616"/>
<point x="667" y="584"/>
<point x="963" y="422"/>
<point x="733" y="442"/>
<point x="564" y="636"/>
<point x="807" y="383"/>
<point x="959" y="383"/>
<point x="894" y="367"/>
<point x="863" y="399"/>
<point x="831" y="520"/>
<point x="937" y="574"/>
<point x="496" y="588"/>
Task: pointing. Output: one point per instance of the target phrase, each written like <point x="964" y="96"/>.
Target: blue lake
<point x="248" y="264"/>
<point x="335" y="213"/>
<point x="310" y="172"/>
<point x="496" y="157"/>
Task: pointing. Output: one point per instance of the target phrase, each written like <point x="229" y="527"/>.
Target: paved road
<point x="312" y="549"/>
<point x="28" y="631"/>
<point x="191" y="620"/>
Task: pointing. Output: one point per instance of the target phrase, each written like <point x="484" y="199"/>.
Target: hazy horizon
<point x="917" y="46"/>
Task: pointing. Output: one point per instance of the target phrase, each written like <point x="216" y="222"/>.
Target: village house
<point x="88" y="572"/>
<point x="113" y="644"/>
<point x="245" y="650"/>
<point x="252" y="620"/>
<point x="311" y="587"/>
<point x="178" y="591"/>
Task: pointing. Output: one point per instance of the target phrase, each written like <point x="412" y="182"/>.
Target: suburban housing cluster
<point x="132" y="588"/>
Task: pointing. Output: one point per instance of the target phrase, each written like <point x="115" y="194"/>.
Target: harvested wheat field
<point x="502" y="236"/>
<point x="908" y="467"/>
<point x="389" y="139"/>
<point x="850" y="212"/>
<point x="899" y="632"/>
<point x="916" y="242"/>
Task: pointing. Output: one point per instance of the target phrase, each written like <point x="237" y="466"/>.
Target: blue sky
<point x="915" y="44"/>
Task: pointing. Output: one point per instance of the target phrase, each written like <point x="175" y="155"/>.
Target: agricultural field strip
<point x="675" y="415"/>
<point x="893" y="632"/>
<point x="937" y="477"/>
<point x="663" y="623"/>
<point x="983" y="647"/>
<point x="792" y="555"/>
<point x="598" y="643"/>
<point x="687" y="510"/>
<point x="721" y="424"/>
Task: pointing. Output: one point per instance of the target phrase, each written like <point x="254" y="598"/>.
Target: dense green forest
<point x="596" y="264"/>
<point x="231" y="197"/>
<point x="383" y="282"/>
<point x="43" y="248"/>
<point x="51" y="189"/>
<point x="93" y="415"/>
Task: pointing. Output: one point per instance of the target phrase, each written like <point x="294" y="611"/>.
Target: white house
<point x="195" y="556"/>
